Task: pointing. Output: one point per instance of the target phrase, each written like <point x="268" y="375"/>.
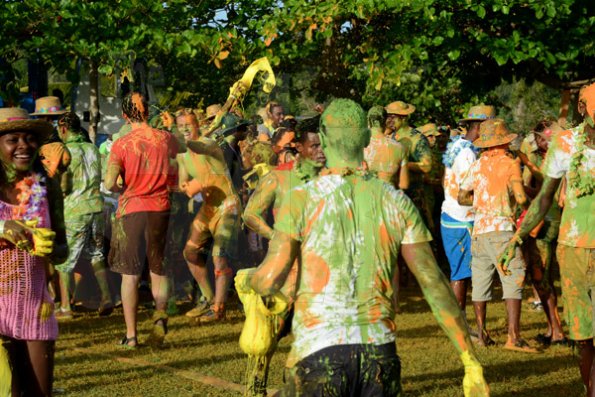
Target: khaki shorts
<point x="578" y="289"/>
<point x="485" y="250"/>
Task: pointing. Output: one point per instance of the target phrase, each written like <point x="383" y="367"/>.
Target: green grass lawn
<point x="88" y="362"/>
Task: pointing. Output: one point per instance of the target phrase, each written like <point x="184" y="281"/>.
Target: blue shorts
<point x="456" y="238"/>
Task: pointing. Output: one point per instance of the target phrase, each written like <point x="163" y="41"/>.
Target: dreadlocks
<point x="135" y="107"/>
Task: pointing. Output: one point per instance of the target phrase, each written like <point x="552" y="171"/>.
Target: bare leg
<point x="459" y="287"/>
<point x="65" y="283"/>
<point x="129" y="293"/>
<point x="160" y="290"/>
<point x="513" y="309"/>
<point x="483" y="336"/>
<point x="101" y="276"/>
<point x="41" y="356"/>
<point x="223" y="276"/>
<point x="587" y="355"/>
<point x="198" y="269"/>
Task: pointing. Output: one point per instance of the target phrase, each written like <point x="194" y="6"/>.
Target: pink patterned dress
<point x="26" y="308"/>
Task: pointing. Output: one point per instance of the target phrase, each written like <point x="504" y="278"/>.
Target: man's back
<point x="350" y="228"/>
<point x="385" y="156"/>
<point x="143" y="156"/>
<point x="83" y="179"/>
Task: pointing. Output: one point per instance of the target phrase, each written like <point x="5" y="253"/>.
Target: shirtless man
<point x="203" y="170"/>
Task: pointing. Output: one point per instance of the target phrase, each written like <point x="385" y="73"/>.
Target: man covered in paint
<point x="346" y="226"/>
<point x="419" y="152"/>
<point x="271" y="191"/>
<point x="385" y="156"/>
<point x="571" y="155"/>
<point x="488" y="186"/>
<point x="274" y="186"/>
<point x="83" y="214"/>
<point x="456" y="220"/>
<point x="538" y="247"/>
<point x="138" y="167"/>
<point x="203" y="170"/>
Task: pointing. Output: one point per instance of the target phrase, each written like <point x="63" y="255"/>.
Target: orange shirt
<point x="490" y="178"/>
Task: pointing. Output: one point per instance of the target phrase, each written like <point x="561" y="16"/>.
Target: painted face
<point x="188" y="126"/>
<point x="473" y="129"/>
<point x="277" y="115"/>
<point x="542" y="143"/>
<point x="432" y="140"/>
<point x="395" y="121"/>
<point x="18" y="149"/>
<point x="311" y="149"/>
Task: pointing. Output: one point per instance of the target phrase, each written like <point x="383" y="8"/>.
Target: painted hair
<point x="71" y="121"/>
<point x="135" y="107"/>
<point x="542" y="125"/>
<point x="377" y="116"/>
<point x="343" y="124"/>
<point x="310" y="125"/>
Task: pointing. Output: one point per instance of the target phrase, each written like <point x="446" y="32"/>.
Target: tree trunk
<point x="93" y="100"/>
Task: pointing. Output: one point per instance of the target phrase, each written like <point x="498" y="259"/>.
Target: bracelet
<point x="518" y="239"/>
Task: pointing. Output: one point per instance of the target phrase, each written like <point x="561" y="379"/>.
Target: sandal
<point x="543" y="339"/>
<point x="105" y="308"/>
<point x="560" y="342"/>
<point x="522" y="346"/>
<point x="128" y="343"/>
<point x="159" y="330"/>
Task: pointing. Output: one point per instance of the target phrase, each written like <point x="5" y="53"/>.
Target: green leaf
<point x="481" y="11"/>
<point x="454" y="55"/>
<point x="105" y="69"/>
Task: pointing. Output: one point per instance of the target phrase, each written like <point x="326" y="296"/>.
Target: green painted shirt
<point x="82" y="195"/>
<point x="350" y="228"/>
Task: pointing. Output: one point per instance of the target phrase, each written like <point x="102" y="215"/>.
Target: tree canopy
<point x="438" y="55"/>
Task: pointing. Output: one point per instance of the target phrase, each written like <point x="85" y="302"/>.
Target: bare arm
<point x="438" y="294"/>
<point x="111" y="178"/>
<point x="260" y="201"/>
<point x="209" y="149"/>
<point x="183" y="176"/>
<point x="56" y="202"/>
<point x="404" y="177"/>
<point x="465" y="197"/>
<point x="272" y="273"/>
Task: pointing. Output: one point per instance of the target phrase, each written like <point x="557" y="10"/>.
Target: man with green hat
<point x="420" y="155"/>
<point x="347" y="227"/>
<point x="487" y="186"/>
<point x="202" y="170"/>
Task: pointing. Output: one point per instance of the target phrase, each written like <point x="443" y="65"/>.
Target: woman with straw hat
<point x="29" y="204"/>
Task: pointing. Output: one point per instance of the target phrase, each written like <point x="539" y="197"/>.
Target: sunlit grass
<point x="88" y="362"/>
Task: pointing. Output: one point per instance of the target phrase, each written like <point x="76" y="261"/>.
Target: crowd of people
<point x="323" y="218"/>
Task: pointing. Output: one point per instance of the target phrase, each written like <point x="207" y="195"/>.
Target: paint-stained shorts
<point x="577" y="275"/>
<point x="136" y="237"/>
<point x="346" y="370"/>
<point x="485" y="250"/>
<point x="84" y="235"/>
<point x="456" y="239"/>
<point x="220" y="225"/>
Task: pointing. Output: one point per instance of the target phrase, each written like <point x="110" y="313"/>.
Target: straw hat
<point x="480" y="113"/>
<point x="18" y="120"/>
<point x="211" y="111"/>
<point x="399" y="107"/>
<point x="48" y="106"/>
<point x="429" y="129"/>
<point x="493" y="132"/>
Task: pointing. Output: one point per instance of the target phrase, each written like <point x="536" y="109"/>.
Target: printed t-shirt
<point x="385" y="156"/>
<point x="84" y="178"/>
<point x="491" y="178"/>
<point x="350" y="229"/>
<point x="143" y="156"/>
<point x="453" y="176"/>
<point x="577" y="227"/>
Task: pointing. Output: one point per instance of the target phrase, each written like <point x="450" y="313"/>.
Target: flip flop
<point x="522" y="346"/>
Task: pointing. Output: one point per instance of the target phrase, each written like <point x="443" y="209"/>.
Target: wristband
<point x="2" y="227"/>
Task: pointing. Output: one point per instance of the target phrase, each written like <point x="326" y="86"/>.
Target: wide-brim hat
<point x="399" y="107"/>
<point x="48" y="106"/>
<point x="18" y="120"/>
<point x="230" y="123"/>
<point x="493" y="132"/>
<point x="211" y="111"/>
<point x="429" y="129"/>
<point x="480" y="113"/>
